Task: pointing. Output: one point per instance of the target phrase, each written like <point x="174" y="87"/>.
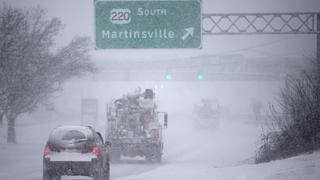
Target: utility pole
<point x="318" y="40"/>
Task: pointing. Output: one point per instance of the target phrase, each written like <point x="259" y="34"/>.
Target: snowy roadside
<point x="226" y="154"/>
<point x="297" y="168"/>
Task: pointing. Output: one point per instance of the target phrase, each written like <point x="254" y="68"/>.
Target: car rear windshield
<point x="76" y="138"/>
<point x="73" y="135"/>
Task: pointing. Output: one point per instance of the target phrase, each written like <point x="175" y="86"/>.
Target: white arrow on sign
<point x="189" y="32"/>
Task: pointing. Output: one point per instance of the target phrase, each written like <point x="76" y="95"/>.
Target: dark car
<point x="75" y="151"/>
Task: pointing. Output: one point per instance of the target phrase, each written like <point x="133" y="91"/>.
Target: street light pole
<point x="318" y="40"/>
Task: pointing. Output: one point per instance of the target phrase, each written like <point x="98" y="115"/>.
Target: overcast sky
<point x="78" y="15"/>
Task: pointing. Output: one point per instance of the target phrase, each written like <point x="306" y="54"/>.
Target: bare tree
<point x="29" y="70"/>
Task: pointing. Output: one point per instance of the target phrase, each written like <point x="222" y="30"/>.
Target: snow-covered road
<point x="226" y="154"/>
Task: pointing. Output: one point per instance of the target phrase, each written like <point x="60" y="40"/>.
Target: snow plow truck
<point x="133" y="127"/>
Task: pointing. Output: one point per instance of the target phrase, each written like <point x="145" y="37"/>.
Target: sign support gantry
<point x="263" y="23"/>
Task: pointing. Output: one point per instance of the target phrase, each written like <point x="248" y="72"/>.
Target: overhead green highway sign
<point x="123" y="24"/>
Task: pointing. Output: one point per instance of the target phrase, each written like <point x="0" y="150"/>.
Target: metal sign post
<point x="318" y="40"/>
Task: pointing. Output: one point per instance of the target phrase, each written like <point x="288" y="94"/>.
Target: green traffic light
<point x="168" y="77"/>
<point x="200" y="77"/>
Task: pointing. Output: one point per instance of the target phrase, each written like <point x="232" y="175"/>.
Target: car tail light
<point x="46" y="150"/>
<point x="95" y="151"/>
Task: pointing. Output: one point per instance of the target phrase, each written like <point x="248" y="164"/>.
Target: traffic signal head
<point x="200" y="77"/>
<point x="168" y="76"/>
